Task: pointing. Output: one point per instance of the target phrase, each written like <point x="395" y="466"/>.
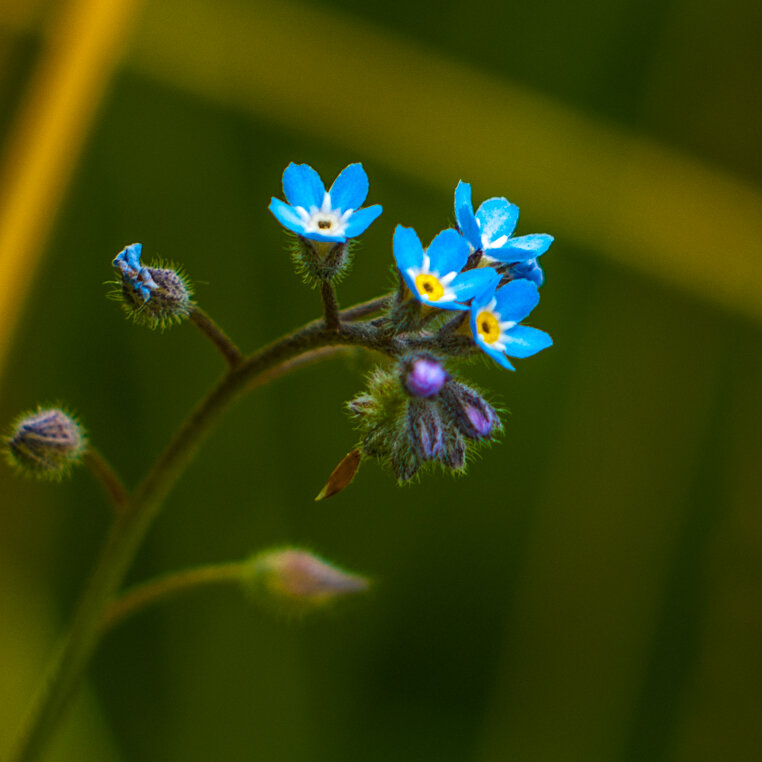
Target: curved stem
<point x="109" y="479"/>
<point x="302" y="361"/>
<point x="167" y="586"/>
<point x="330" y="305"/>
<point x="130" y="526"/>
<point x="216" y="335"/>
<point x="364" y="309"/>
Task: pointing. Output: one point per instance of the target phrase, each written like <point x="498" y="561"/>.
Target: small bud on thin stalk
<point x="297" y="581"/>
<point x="45" y="444"/>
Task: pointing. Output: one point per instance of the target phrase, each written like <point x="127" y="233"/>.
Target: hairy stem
<point x="108" y="478"/>
<point x="365" y="309"/>
<point x="131" y="525"/>
<point x="330" y="305"/>
<point x="216" y="335"/>
<point x="165" y="587"/>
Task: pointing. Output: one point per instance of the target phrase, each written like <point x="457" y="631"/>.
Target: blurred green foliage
<point x="590" y="591"/>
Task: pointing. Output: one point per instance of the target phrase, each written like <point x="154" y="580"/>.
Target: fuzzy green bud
<point x="297" y="581"/>
<point x="45" y="444"/>
<point x="319" y="261"/>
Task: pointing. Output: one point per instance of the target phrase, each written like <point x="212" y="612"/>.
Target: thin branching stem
<point x="330" y="305"/>
<point x="131" y="525"/>
<point x="216" y="335"/>
<point x="365" y="309"/>
<point x="170" y="585"/>
<point x="109" y="479"/>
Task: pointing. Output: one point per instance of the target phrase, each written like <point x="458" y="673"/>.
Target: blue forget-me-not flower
<point x="490" y="231"/>
<point x="127" y="261"/>
<point x="320" y="215"/>
<point x="495" y="318"/>
<point x="434" y="276"/>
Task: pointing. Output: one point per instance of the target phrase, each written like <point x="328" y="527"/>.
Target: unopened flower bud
<point x="475" y="418"/>
<point x="298" y="581"/>
<point x="405" y="464"/>
<point x="45" y="444"/>
<point x="454" y="452"/>
<point x="423" y="376"/>
<point x="425" y="429"/>
<point x="153" y="296"/>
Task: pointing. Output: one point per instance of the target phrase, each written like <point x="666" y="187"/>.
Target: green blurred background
<point x="591" y="591"/>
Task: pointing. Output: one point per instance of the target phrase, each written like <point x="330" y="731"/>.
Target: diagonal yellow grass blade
<point x="45" y="142"/>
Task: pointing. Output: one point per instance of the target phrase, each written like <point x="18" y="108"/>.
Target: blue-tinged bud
<point x="296" y="581"/>
<point x="423" y="376"/>
<point x="157" y="296"/>
<point x="425" y="429"/>
<point x="471" y="413"/>
<point x="45" y="444"/>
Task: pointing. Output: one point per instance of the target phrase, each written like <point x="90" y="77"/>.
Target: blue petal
<point x="482" y="299"/>
<point x="286" y="215"/>
<point x="448" y="252"/>
<point x="528" y="270"/>
<point x="408" y="249"/>
<point x="473" y="283"/>
<point x="360" y="220"/>
<point x="350" y="188"/>
<point x="464" y="215"/>
<point x="497" y="217"/>
<point x="501" y="358"/>
<point x="516" y="300"/>
<point x="129" y="256"/>
<point x="523" y="341"/>
<point x="302" y="186"/>
<point x="522" y="248"/>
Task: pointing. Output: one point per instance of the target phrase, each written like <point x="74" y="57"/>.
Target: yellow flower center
<point x="488" y="327"/>
<point x="429" y="286"/>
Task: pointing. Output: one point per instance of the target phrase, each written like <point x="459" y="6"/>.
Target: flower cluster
<point x="467" y="293"/>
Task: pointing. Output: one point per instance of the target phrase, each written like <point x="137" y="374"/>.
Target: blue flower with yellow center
<point x="490" y="231"/>
<point x="434" y="276"/>
<point x="320" y="215"/>
<point x="495" y="318"/>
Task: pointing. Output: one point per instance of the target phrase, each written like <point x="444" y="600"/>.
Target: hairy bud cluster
<point x="418" y="415"/>
<point x="157" y="296"/>
<point x="45" y="444"/>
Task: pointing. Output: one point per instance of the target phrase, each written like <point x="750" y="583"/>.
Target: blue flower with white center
<point x="320" y="215"/>
<point x="434" y="276"/>
<point x="490" y="231"/>
<point x="127" y="261"/>
<point x="495" y="318"/>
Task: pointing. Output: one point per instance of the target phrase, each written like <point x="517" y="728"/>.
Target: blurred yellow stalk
<point x="81" y="52"/>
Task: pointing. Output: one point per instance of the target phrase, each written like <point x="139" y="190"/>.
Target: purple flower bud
<point x="425" y="429"/>
<point x="45" y="443"/>
<point x="424" y="376"/>
<point x="454" y="455"/>
<point x="471" y="413"/>
<point x="481" y="424"/>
